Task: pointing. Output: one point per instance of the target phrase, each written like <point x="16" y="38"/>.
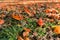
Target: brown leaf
<point x="20" y="38"/>
<point x="26" y="38"/>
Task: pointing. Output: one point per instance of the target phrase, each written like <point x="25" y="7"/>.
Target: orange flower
<point x="27" y="30"/>
<point x="1" y="21"/>
<point x="40" y="22"/>
<point x="47" y="11"/>
<point x="51" y="10"/>
<point x="17" y="16"/>
<point x="57" y="30"/>
<point x="25" y="34"/>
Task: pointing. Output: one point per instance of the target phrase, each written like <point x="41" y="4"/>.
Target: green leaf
<point x="11" y="39"/>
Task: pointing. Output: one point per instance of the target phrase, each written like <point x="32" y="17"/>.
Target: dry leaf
<point x="26" y="38"/>
<point x="20" y="38"/>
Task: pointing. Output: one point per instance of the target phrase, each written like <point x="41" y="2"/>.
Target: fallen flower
<point x="17" y="16"/>
<point x="47" y="11"/>
<point x="1" y="21"/>
<point x="51" y="10"/>
<point x="57" y="29"/>
<point x="27" y="29"/>
<point x="25" y="34"/>
<point x="40" y="22"/>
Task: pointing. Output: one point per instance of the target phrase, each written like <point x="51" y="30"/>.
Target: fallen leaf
<point x="26" y="38"/>
<point x="20" y="38"/>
